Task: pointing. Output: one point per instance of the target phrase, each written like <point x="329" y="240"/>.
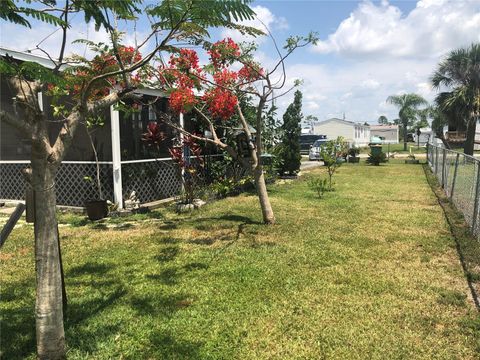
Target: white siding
<point x="354" y="133"/>
<point x="335" y="129"/>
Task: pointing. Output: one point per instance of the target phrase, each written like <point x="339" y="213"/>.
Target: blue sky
<point x="368" y="50"/>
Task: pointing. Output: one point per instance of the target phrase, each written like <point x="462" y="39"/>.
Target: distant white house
<point x="388" y="133"/>
<point x="355" y="133"/>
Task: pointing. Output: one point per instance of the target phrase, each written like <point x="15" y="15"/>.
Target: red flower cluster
<point x="183" y="73"/>
<point x="100" y="64"/>
<point x="185" y="61"/>
<point x="250" y="73"/>
<point x="221" y="103"/>
<point x="129" y="55"/>
<point x="225" y="78"/>
<point x="182" y="100"/>
<point x="223" y="52"/>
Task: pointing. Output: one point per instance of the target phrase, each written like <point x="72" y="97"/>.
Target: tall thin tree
<point x="289" y="150"/>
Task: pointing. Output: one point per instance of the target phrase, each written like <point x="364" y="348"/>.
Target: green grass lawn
<point x="369" y="272"/>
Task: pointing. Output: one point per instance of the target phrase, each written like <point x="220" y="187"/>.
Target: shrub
<point x="319" y="185"/>
<point x="376" y="159"/>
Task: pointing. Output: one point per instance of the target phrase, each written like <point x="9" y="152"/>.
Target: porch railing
<point x="151" y="179"/>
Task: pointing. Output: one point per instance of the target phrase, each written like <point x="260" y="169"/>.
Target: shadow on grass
<point x="88" y="268"/>
<point x="18" y="321"/>
<point x="167" y="254"/>
<point x="467" y="246"/>
<point x="170" y="347"/>
<point x="164" y="306"/>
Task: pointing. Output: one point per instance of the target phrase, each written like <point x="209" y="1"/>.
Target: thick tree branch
<point x="138" y="64"/>
<point x="208" y="122"/>
<point x="78" y="116"/>
<point x="17" y="123"/>
<point x="216" y="141"/>
<point x="251" y="145"/>
<point x="64" y="37"/>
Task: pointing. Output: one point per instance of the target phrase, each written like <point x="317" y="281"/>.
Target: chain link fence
<point x="459" y="176"/>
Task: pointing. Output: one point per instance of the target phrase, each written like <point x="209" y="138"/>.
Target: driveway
<point x="306" y="165"/>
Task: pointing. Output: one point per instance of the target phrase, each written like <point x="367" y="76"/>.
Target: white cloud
<point x="355" y="90"/>
<point x="264" y="19"/>
<point x="427" y="31"/>
<point x="371" y="84"/>
<point x="384" y="52"/>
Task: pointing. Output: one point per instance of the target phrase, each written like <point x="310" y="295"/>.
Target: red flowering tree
<point x="212" y="94"/>
<point x="92" y="85"/>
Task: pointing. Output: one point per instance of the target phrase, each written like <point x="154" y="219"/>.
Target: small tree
<point x="220" y="109"/>
<point x="376" y="158"/>
<point x="332" y="154"/>
<point x="289" y="149"/>
<point x="318" y="185"/>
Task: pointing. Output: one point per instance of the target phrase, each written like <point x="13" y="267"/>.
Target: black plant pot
<point x="96" y="209"/>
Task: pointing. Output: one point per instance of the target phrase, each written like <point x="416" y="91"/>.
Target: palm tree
<point x="460" y="72"/>
<point x="408" y="105"/>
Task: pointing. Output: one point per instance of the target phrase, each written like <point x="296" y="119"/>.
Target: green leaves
<point x="319" y="185"/>
<point x="30" y="70"/>
<point x="408" y="105"/>
<point x="9" y="11"/>
<point x="43" y="16"/>
<point x="96" y="10"/>
<point x="194" y="17"/>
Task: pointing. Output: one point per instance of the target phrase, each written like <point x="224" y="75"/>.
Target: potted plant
<point x="97" y="208"/>
<point x="352" y="155"/>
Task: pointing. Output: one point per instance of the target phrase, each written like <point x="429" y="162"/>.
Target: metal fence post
<point x="436" y="161"/>
<point x="454" y="176"/>
<point x="477" y="195"/>
<point x="444" y="163"/>
<point x="428" y="154"/>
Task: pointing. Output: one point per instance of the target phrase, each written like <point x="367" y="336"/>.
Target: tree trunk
<point x="470" y="141"/>
<point x="49" y="307"/>
<point x="267" y="211"/>
<point x="404" y="136"/>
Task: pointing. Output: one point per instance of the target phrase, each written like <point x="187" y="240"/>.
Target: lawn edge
<point x="460" y="232"/>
